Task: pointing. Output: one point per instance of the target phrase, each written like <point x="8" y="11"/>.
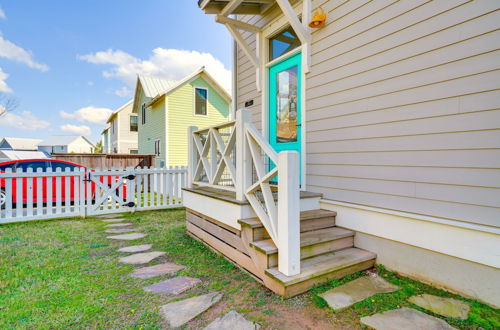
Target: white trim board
<point x="473" y="242"/>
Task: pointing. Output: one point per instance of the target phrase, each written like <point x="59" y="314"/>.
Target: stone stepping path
<point x="115" y="225"/>
<point x="404" y="318"/>
<point x="156" y="270"/>
<point x="173" y="286"/>
<point x="447" y="307"/>
<point x="180" y="312"/>
<point x="127" y="237"/>
<point x="114" y="220"/>
<point x="141" y="258"/>
<point x="357" y="290"/>
<point x="230" y="321"/>
<point x="119" y="230"/>
<point x="136" y="248"/>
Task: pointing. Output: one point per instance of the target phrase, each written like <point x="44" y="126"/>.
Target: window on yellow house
<point x="200" y="100"/>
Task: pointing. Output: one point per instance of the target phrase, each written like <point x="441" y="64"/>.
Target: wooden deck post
<point x="192" y="156"/>
<point x="243" y="157"/>
<point x="288" y="213"/>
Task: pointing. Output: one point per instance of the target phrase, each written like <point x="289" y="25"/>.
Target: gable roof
<point x="19" y="143"/>
<point x="123" y="107"/>
<point x="201" y="72"/>
<point x="151" y="86"/>
<point x="62" y="140"/>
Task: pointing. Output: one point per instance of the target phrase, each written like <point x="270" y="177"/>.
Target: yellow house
<point x="167" y="108"/>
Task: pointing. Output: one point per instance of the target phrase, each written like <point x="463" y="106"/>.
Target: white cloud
<point x="24" y="120"/>
<point x="13" y="52"/>
<point x="90" y="83"/>
<point x="172" y="64"/>
<point x="3" y="85"/>
<point x="91" y="114"/>
<point x="2" y="14"/>
<point x="124" y="92"/>
<point x="76" y="129"/>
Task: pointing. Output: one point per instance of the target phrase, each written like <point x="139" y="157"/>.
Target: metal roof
<point x="153" y="86"/>
<point x="21" y="154"/>
<point x="19" y="143"/>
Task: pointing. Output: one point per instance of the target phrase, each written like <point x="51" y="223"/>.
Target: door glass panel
<point x="286" y="104"/>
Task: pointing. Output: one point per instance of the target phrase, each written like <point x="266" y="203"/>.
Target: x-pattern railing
<point x="260" y="193"/>
<point x="215" y="157"/>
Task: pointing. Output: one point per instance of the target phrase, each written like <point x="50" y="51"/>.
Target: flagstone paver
<point x="136" y="248"/>
<point x="127" y="237"/>
<point x="115" y="225"/>
<point x="156" y="270"/>
<point x="174" y="285"/>
<point x="357" y="290"/>
<point x="230" y="321"/>
<point x="404" y="318"/>
<point x="114" y="220"/>
<point x="141" y="258"/>
<point x="448" y="307"/>
<point x="180" y="312"/>
<point x="119" y="230"/>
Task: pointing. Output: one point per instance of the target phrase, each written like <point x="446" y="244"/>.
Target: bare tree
<point x="7" y="104"/>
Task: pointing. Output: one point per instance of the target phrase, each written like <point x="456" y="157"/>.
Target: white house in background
<point x="66" y="144"/>
<point x="10" y="143"/>
<point x="122" y="134"/>
<point x="106" y="140"/>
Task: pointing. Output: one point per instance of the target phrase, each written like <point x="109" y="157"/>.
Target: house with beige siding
<point x="166" y="109"/>
<point x="121" y="135"/>
<point x="373" y="139"/>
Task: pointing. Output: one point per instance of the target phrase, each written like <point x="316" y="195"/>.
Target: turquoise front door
<point x="285" y="104"/>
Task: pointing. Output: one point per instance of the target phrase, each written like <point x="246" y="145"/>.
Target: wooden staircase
<point x="327" y="252"/>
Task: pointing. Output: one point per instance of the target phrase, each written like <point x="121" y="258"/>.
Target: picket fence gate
<point x="37" y="195"/>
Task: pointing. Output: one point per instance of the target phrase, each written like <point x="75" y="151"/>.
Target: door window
<point x="282" y="43"/>
<point x="286" y="105"/>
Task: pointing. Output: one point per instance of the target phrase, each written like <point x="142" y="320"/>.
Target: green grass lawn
<point x="65" y="273"/>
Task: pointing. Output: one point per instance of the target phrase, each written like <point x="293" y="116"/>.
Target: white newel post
<point x="289" y="213"/>
<point x="192" y="156"/>
<point x="243" y="157"/>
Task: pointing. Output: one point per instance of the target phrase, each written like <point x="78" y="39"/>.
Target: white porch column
<point x="192" y="156"/>
<point x="243" y="157"/>
<point x="288" y="213"/>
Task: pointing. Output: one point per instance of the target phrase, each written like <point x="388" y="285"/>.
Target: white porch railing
<point x="235" y="156"/>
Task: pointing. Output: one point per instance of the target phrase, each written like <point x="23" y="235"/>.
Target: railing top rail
<point x="218" y="126"/>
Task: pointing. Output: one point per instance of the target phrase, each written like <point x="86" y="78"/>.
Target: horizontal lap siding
<point x="403" y="107"/>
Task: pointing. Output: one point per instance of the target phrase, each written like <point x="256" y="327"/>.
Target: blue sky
<point x="70" y="62"/>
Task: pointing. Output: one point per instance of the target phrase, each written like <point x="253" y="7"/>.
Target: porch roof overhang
<point x="224" y="8"/>
<point x="248" y="7"/>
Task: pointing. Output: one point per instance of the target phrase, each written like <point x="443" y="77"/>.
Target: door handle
<point x="299" y="125"/>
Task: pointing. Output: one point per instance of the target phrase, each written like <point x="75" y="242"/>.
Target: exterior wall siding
<point x="153" y="129"/>
<point x="181" y="116"/>
<point x="402" y="106"/>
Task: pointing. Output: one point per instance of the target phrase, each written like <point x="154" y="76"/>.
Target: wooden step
<point x="313" y="243"/>
<point x="319" y="269"/>
<point x="309" y="221"/>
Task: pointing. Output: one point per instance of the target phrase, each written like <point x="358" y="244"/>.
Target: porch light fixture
<point x="318" y="19"/>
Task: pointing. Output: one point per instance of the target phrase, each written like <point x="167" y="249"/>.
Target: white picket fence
<point x="36" y="195"/>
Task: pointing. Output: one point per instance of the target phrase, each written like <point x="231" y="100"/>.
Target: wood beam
<point x="294" y="21"/>
<point x="230" y="7"/>
<point x="238" y="24"/>
<point x="243" y="44"/>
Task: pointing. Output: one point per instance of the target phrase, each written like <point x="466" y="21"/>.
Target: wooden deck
<point x="327" y="252"/>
